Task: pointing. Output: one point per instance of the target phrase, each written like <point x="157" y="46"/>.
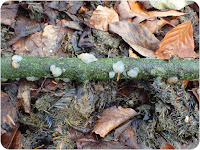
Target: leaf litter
<point x="57" y="107"/>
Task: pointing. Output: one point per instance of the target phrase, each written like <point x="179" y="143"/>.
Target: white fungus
<point x="172" y="80"/>
<point x="118" y="66"/>
<point x="111" y="74"/>
<point x="56" y="71"/>
<point x="16" y="59"/>
<point x="32" y="78"/>
<point x="133" y="72"/>
<point x="87" y="58"/>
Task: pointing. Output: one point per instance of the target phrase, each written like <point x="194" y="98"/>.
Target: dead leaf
<point x="131" y="54"/>
<point x="124" y="10"/>
<point x="8" y="112"/>
<point x="165" y="13"/>
<point x="11" y="136"/>
<point x="128" y="138"/>
<point x="121" y="129"/>
<point x="24" y="27"/>
<point x="44" y="44"/>
<point x="137" y="36"/>
<point x="111" y="118"/>
<point x="154" y="25"/>
<point x="178" y="41"/>
<point x="196" y="94"/>
<point x="102" y="16"/>
<point x="166" y="145"/>
<point x="8" y="13"/>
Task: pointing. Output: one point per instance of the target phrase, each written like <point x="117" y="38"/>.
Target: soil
<point x="164" y="110"/>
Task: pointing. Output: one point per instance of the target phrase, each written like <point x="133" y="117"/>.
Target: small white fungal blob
<point x="16" y="61"/>
<point x="56" y="71"/>
<point x="87" y="58"/>
<point x="111" y="74"/>
<point x="3" y="80"/>
<point x="172" y="80"/>
<point x="187" y="119"/>
<point x="65" y="79"/>
<point x="133" y="72"/>
<point x="32" y="78"/>
<point x="118" y="66"/>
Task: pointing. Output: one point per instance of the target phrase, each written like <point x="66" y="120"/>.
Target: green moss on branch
<point x="75" y="69"/>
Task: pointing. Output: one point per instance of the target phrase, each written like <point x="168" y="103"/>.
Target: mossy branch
<point x="75" y="69"/>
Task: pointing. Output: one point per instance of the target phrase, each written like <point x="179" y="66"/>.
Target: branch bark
<point x="75" y="69"/>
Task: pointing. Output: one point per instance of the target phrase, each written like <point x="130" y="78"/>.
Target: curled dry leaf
<point x="102" y="16"/>
<point x="111" y="118"/>
<point x="178" y="41"/>
<point x="137" y="36"/>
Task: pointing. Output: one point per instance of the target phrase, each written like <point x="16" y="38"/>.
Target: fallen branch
<point x="75" y="69"/>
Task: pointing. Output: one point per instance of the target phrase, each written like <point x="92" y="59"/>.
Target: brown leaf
<point x="156" y="13"/>
<point x="102" y="16"/>
<point x="128" y="138"/>
<point x="121" y="129"/>
<point x="24" y="27"/>
<point x="44" y="44"/>
<point x="111" y="118"/>
<point x="8" y="13"/>
<point x="166" y="145"/>
<point x="178" y="41"/>
<point x="137" y="36"/>
<point x="8" y="111"/>
<point x="7" y="138"/>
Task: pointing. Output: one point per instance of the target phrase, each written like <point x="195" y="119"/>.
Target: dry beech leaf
<point x="44" y="44"/>
<point x="178" y="41"/>
<point x="165" y="13"/>
<point x="131" y="54"/>
<point x="102" y="16"/>
<point x="111" y="118"/>
<point x="137" y="36"/>
<point x="125" y="12"/>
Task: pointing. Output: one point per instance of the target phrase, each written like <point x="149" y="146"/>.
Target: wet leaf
<point x="178" y="41"/>
<point x="8" y="13"/>
<point x="102" y="16"/>
<point x="111" y="118"/>
<point x="137" y="36"/>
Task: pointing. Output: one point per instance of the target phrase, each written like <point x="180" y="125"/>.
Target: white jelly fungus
<point x="32" y="78"/>
<point x="172" y="80"/>
<point x="118" y="66"/>
<point x="56" y="71"/>
<point x="111" y="74"/>
<point x="16" y="59"/>
<point x="133" y="72"/>
<point x="87" y="58"/>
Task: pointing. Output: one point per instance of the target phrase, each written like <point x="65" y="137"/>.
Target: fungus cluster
<point x="133" y="72"/>
<point x="16" y="59"/>
<point x="56" y="71"/>
<point x="87" y="58"/>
